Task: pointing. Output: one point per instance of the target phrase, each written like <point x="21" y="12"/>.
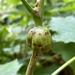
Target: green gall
<point x="29" y="37"/>
<point x="39" y="39"/>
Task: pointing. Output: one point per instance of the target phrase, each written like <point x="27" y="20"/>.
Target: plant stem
<point x="39" y="12"/>
<point x="32" y="63"/>
<point x="63" y="66"/>
<point x="41" y="9"/>
<point x="38" y="21"/>
<point x="28" y="7"/>
<point x="37" y="17"/>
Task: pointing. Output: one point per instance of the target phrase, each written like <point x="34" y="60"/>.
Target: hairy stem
<point x="63" y="66"/>
<point x="31" y="64"/>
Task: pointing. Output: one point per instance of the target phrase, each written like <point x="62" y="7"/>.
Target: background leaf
<point x="64" y="28"/>
<point x="66" y="51"/>
<point x="10" y="68"/>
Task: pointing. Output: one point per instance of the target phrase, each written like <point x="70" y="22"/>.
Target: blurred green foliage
<point x="15" y="21"/>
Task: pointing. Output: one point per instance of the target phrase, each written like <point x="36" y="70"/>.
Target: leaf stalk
<point x="63" y="66"/>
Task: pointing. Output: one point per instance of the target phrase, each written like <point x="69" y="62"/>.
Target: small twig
<point x="39" y="7"/>
<point x="63" y="66"/>
<point x="39" y="12"/>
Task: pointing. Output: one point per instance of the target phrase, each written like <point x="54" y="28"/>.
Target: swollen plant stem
<point x="63" y="66"/>
<point x="32" y="63"/>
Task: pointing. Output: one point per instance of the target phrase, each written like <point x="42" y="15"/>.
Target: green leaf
<point x="68" y="1"/>
<point x="67" y="51"/>
<point x="4" y="31"/>
<point x="64" y="28"/>
<point x="15" y="11"/>
<point x="46" y="70"/>
<point x="10" y="68"/>
<point x="21" y="37"/>
<point x="13" y="1"/>
<point x="21" y="7"/>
